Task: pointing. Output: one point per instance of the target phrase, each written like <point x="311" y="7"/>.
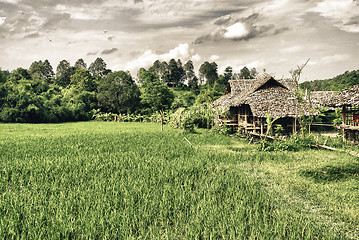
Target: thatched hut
<point x="348" y="100"/>
<point x="250" y="101"/>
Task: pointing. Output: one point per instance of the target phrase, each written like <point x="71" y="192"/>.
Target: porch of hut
<point x="241" y="118"/>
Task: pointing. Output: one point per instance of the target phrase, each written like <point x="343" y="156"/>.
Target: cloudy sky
<point x="275" y="35"/>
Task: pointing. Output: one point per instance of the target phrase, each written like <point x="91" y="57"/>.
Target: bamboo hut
<point x="250" y="101"/>
<point x="348" y="100"/>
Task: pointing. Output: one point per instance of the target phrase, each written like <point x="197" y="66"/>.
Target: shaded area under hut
<point x="250" y="101"/>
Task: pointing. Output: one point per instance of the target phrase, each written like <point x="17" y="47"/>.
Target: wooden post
<point x="245" y="115"/>
<point x="343" y="119"/>
<point x="245" y="119"/>
<point x="261" y="127"/>
<point x="294" y="125"/>
<point x="254" y="124"/>
<point x="161" y="112"/>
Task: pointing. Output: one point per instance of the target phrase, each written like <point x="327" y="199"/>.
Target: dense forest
<point x="340" y="82"/>
<point x="75" y="93"/>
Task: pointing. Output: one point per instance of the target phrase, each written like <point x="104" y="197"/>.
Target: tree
<point x="64" y="71"/>
<point x="155" y="95"/>
<point x="191" y="77"/>
<point x="295" y="73"/>
<point x="181" y="73"/>
<point x="193" y="85"/>
<point x="245" y="73"/>
<point x="98" y="68"/>
<point x="253" y="73"/>
<point x="139" y="75"/>
<point x="221" y="84"/>
<point x="83" y="80"/>
<point x="2" y="77"/>
<point x="80" y="64"/>
<point x="42" y="70"/>
<point x="18" y="74"/>
<point x="157" y="68"/>
<point x="228" y="73"/>
<point x="176" y="72"/>
<point x="208" y="73"/>
<point x="189" y="70"/>
<point x="118" y="93"/>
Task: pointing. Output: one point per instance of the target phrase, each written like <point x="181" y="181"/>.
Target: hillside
<point x="340" y="82"/>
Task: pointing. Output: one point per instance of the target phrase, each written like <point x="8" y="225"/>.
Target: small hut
<point x="348" y="100"/>
<point x="250" y="101"/>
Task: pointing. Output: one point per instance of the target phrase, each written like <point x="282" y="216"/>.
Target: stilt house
<point x="250" y="101"/>
<point x="348" y="100"/>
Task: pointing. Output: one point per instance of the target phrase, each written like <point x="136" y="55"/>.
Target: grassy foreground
<point x="131" y="181"/>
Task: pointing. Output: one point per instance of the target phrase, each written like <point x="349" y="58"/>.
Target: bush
<point x="294" y="143"/>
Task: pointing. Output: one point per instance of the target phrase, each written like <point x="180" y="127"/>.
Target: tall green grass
<point x="131" y="181"/>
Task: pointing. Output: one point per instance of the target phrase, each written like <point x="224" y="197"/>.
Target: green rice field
<point x="107" y="180"/>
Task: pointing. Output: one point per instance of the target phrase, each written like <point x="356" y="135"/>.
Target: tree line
<point x="75" y="93"/>
<point x="343" y="81"/>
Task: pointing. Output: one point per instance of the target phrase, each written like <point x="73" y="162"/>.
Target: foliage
<point x="80" y="64"/>
<point x="42" y="70"/>
<point x="208" y="73"/>
<point x="98" y="68"/>
<point x="294" y="143"/>
<point x="338" y="83"/>
<point x="154" y="95"/>
<point x="207" y="95"/>
<point x="118" y="93"/>
<point x="269" y="123"/>
<point x="245" y="73"/>
<point x="183" y="99"/>
<point x="64" y="72"/>
<point x="18" y="74"/>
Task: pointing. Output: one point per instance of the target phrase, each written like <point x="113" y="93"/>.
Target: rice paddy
<point x="106" y="180"/>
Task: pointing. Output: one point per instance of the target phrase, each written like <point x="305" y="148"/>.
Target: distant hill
<point x="340" y="82"/>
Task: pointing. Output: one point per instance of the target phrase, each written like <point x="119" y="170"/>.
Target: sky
<point x="271" y="35"/>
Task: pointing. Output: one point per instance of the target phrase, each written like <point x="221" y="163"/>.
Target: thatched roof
<point x="347" y="97"/>
<point x="264" y="95"/>
<point x="239" y="84"/>
<point x="321" y="98"/>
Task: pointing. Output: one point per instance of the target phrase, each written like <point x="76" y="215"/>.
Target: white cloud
<point x="334" y="8"/>
<point x="334" y="58"/>
<point x="237" y="30"/>
<point x="339" y="10"/>
<point x="11" y="1"/>
<point x="214" y="58"/>
<point x="182" y="51"/>
<point x="81" y="13"/>
<point x="196" y="58"/>
<point x="293" y="49"/>
<point x="2" y="20"/>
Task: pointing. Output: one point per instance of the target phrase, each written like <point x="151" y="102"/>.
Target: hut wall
<point x="350" y="128"/>
<point x="246" y="120"/>
<point x="351" y="116"/>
